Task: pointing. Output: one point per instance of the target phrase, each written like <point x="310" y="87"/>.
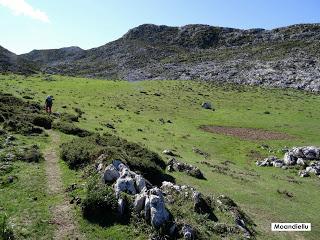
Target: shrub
<point x="79" y="111"/>
<point x="30" y="154"/>
<point x="42" y="121"/>
<point x="21" y="126"/>
<point x="82" y="151"/>
<point x="6" y="232"/>
<point x="70" y="128"/>
<point x="21" y="117"/>
<point x="100" y="205"/>
<point x="68" y="117"/>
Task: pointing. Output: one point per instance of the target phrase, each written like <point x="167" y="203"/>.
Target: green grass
<point x="25" y="201"/>
<point x="118" y="102"/>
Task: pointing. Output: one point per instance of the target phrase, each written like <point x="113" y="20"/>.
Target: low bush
<point x="6" y="232"/>
<point x="70" y="128"/>
<point x="100" y="205"/>
<point x="78" y="111"/>
<point x="21" y="126"/>
<point x="42" y="121"/>
<point x="22" y="117"/>
<point x="68" y="117"/>
<point x="80" y="152"/>
<point x="83" y="151"/>
<point x="29" y="154"/>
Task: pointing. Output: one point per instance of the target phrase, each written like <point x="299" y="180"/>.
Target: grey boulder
<point x="111" y="174"/>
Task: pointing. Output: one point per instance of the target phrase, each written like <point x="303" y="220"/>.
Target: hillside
<point x="10" y="62"/>
<point x="282" y="57"/>
<point x="135" y="122"/>
<point x="54" y="56"/>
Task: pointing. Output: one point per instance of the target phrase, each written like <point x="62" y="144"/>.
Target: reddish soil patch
<point x="247" y="133"/>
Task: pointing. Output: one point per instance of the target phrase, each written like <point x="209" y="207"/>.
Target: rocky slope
<point x="10" y="62"/>
<point x="54" y="56"/>
<point x="282" y="57"/>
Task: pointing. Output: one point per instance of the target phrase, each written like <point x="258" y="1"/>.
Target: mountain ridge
<point x="281" y="57"/>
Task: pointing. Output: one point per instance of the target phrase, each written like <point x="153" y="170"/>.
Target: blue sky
<point x="41" y="24"/>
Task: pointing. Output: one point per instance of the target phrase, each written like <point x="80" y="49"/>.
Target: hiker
<point x="48" y="104"/>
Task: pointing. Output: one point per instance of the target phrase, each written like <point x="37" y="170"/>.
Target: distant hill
<point x="54" y="56"/>
<point x="10" y="62"/>
<point x="282" y="57"/>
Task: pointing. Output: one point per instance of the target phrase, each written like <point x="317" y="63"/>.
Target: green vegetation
<point x="83" y="151"/>
<point x="145" y="108"/>
<point x="22" y="117"/>
<point x="100" y="204"/>
<point x="69" y="128"/>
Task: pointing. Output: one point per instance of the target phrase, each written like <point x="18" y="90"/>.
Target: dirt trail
<point x="62" y="215"/>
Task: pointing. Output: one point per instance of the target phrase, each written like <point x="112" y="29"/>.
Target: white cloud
<point x="21" y="7"/>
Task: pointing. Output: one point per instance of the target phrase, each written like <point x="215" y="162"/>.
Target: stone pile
<point x="149" y="201"/>
<point x="307" y="157"/>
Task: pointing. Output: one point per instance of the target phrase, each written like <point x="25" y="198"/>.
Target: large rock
<point x="155" y="210"/>
<point x="307" y="152"/>
<point x="158" y="213"/>
<point x="206" y="105"/>
<point x="289" y="159"/>
<point x="200" y="204"/>
<point x="313" y="169"/>
<point x="139" y="202"/>
<point x="116" y="163"/>
<point x="302" y="162"/>
<point x="111" y="174"/>
<point x="140" y="183"/>
<point x="297" y="152"/>
<point x="126" y="185"/>
<point x="304" y="173"/>
<point x="311" y="153"/>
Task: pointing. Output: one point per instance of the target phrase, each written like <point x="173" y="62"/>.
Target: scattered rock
<point x="110" y="125"/>
<point x="175" y="165"/>
<point x="306" y="157"/>
<point x="168" y="152"/>
<point x="10" y="179"/>
<point x="121" y="207"/>
<point x="188" y="232"/>
<point x="267" y="161"/>
<point x="200" y="152"/>
<point x="207" y="105"/>
<point x="201" y="206"/>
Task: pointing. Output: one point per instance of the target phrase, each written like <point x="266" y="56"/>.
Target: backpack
<point x="49" y="100"/>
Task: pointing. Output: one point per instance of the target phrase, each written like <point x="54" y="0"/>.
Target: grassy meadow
<point x="167" y="115"/>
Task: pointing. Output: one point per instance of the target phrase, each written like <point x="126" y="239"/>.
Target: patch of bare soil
<point x="247" y="133"/>
<point x="62" y="215"/>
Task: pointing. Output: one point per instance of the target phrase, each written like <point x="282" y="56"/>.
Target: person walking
<point x="48" y="104"/>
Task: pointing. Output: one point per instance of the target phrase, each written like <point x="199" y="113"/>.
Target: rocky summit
<point x="286" y="57"/>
